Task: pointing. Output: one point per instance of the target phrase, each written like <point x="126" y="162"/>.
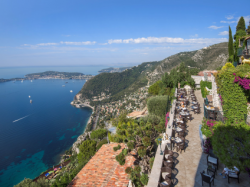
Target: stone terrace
<point x="103" y="169"/>
<point x="190" y="163"/>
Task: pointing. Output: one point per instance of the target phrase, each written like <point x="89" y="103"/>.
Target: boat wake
<point x="21" y="118"/>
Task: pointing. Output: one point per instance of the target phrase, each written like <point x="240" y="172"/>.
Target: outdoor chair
<point x="168" y="154"/>
<point x="181" y="147"/>
<point x="189" y="117"/>
<point x="168" y="163"/>
<point x="212" y="160"/>
<point x="164" y="182"/>
<point x="207" y="178"/>
<point x="166" y="172"/>
<point x="233" y="175"/>
<point x="197" y="111"/>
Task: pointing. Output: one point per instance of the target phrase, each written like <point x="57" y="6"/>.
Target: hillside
<point x="119" y="84"/>
<point x="207" y="58"/>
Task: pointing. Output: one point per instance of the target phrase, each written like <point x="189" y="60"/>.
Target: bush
<point x="117" y="148"/>
<point x="228" y="65"/>
<point x="120" y="158"/>
<point x="128" y="170"/>
<point x="98" y="134"/>
<point x="99" y="145"/>
<point x="131" y="145"/>
<point x="155" y="88"/>
<point x="87" y="150"/>
<point x="125" y="152"/>
<point x="203" y="85"/>
<point x="137" y="169"/>
<point x="142" y="151"/>
<point x="146" y="141"/>
<point x="157" y="105"/>
<point x="144" y="179"/>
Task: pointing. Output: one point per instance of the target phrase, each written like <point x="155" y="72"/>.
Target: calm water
<point x="32" y="136"/>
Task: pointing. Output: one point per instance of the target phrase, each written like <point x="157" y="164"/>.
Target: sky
<point x="110" y="32"/>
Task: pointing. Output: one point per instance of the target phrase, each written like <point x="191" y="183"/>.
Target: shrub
<point x="228" y="65"/>
<point x="131" y="145"/>
<point x="157" y="105"/>
<point x="120" y="158"/>
<point x="231" y="144"/>
<point x="98" y="134"/>
<point x="117" y="148"/>
<point x="128" y="170"/>
<point x="137" y="169"/>
<point x="203" y="85"/>
<point x="142" y="151"/>
<point x="99" y="145"/>
<point x="125" y="152"/>
<point x="87" y="150"/>
<point x="146" y="141"/>
<point x="144" y="179"/>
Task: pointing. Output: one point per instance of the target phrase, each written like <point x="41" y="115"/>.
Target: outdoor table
<point x="184" y="113"/>
<point x="194" y="107"/>
<point x="194" y="103"/>
<point x="177" y="140"/>
<point x="178" y="129"/>
<point x="209" y="108"/>
<point x="178" y="120"/>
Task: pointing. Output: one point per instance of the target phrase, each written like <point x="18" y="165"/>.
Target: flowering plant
<point x="242" y="82"/>
<point x="167" y="119"/>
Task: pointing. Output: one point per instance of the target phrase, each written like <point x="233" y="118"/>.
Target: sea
<point x="33" y="136"/>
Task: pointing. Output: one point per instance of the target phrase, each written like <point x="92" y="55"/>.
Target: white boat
<point x="71" y="91"/>
<point x="22" y="81"/>
<point x="63" y="85"/>
<point x="30" y="101"/>
<point x="29" y="96"/>
<point x="31" y="81"/>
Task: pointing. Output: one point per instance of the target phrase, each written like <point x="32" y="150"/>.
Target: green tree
<point x="155" y="88"/>
<point x="98" y="134"/>
<point x="157" y="105"/>
<point x="231" y="144"/>
<point x="87" y="150"/>
<point x="241" y="24"/>
<point x="230" y="45"/>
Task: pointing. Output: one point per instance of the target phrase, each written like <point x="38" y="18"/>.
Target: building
<point x="103" y="169"/>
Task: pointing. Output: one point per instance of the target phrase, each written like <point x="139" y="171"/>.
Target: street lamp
<point x="159" y="139"/>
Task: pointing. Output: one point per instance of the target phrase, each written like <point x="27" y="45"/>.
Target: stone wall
<point x="215" y="95"/>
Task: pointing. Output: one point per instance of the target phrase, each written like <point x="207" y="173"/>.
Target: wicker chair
<point x="181" y="147"/>
<point x="168" y="154"/>
<point x="166" y="172"/>
<point x="164" y="182"/>
<point x="168" y="163"/>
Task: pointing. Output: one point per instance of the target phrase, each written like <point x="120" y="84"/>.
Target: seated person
<point x="226" y="170"/>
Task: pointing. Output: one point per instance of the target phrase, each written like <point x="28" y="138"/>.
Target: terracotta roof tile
<point x="103" y="169"/>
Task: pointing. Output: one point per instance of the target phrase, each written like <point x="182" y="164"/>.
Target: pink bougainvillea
<point x="167" y="117"/>
<point x="210" y="123"/>
<point x="242" y="82"/>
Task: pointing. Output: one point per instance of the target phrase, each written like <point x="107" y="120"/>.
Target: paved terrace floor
<point x="190" y="163"/>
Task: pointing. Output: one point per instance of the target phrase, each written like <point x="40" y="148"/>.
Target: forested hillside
<point x="119" y="84"/>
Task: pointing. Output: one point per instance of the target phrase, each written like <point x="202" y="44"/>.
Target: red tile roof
<point x="103" y="169"/>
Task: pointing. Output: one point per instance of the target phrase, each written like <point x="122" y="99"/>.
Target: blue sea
<point x="34" y="135"/>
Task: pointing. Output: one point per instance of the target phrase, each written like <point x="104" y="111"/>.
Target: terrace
<point x="182" y="165"/>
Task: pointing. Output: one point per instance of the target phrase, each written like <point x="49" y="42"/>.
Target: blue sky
<point x="110" y="32"/>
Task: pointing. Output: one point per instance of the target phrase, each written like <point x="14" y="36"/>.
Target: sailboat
<point x="30" y="101"/>
<point x="71" y="91"/>
<point x="29" y="96"/>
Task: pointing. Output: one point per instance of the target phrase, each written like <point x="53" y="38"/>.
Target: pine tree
<point x="230" y="45"/>
<point x="241" y="25"/>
